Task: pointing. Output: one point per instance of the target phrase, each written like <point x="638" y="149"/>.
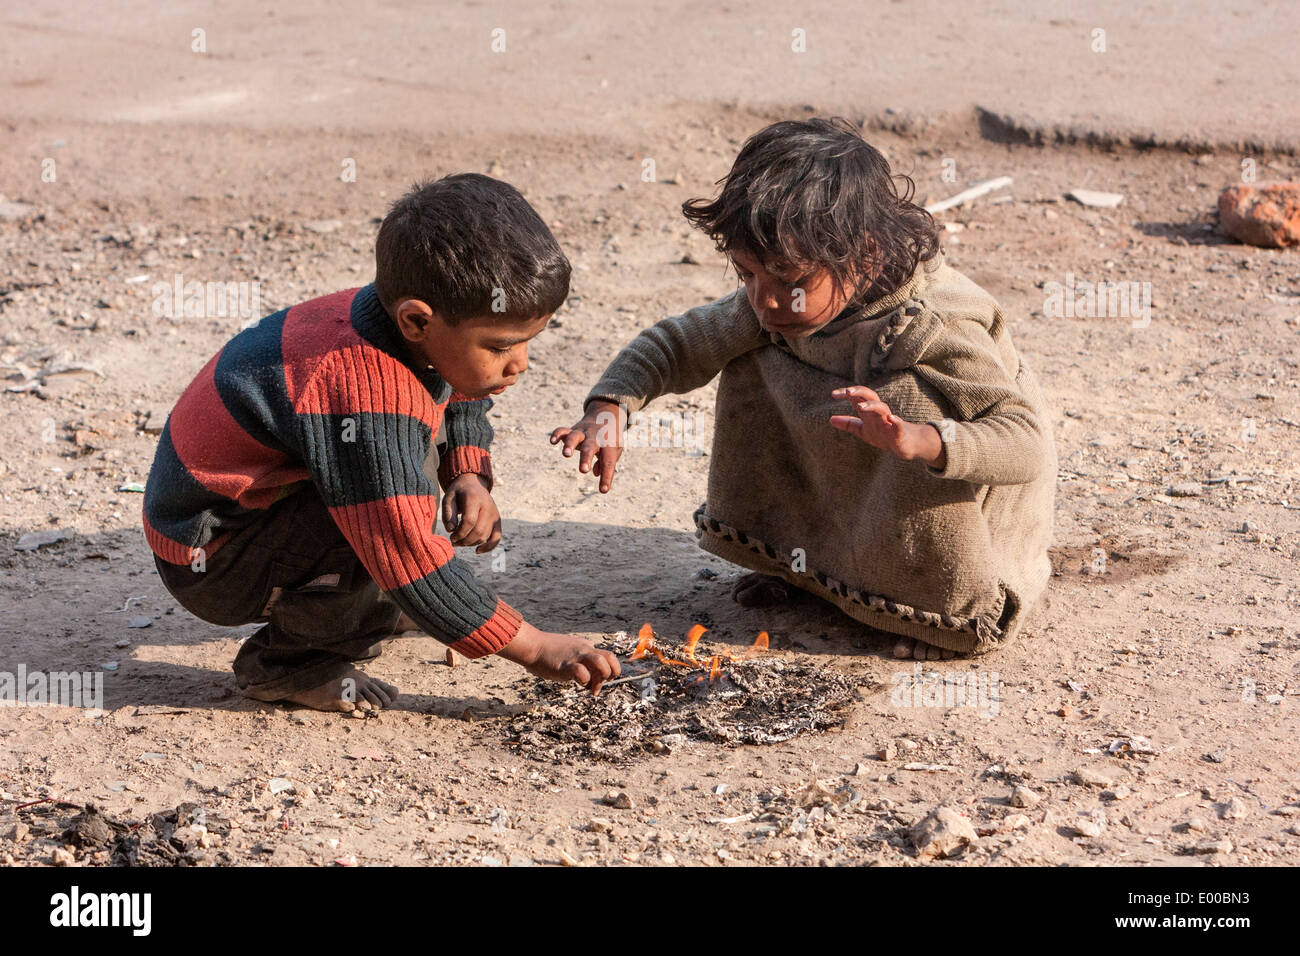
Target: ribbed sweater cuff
<point x="494" y="634"/>
<point x="467" y="460"/>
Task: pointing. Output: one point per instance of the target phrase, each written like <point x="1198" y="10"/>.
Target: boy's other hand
<point x="561" y="657"/>
<point x="470" y="515"/>
<point x="876" y="425"/>
<point x="598" y="437"/>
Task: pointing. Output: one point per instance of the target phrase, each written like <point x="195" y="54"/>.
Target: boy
<point x="293" y="483"/>
<point x="879" y="442"/>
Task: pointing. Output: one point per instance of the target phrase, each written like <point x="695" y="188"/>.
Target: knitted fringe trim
<point x="986" y="633"/>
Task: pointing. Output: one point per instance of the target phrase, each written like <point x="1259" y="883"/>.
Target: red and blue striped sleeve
<point x="364" y="426"/>
<point x="469" y="436"/>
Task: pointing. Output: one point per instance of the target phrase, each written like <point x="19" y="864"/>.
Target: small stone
<point x="599" y="825"/>
<point x="1195" y="824"/>
<point x="1087" y="828"/>
<point x="887" y="752"/>
<point x="18" y="833"/>
<point x="323" y="226"/>
<point x="907" y="744"/>
<point x="1095" y="199"/>
<point x="62" y="857"/>
<point x="1093" y="778"/>
<point x="667" y="859"/>
<point x="1017" y="821"/>
<point x="39" y="539"/>
<point x="1120" y="792"/>
<point x="11" y="211"/>
<point x="140" y="620"/>
<point x="618" y="799"/>
<point x="941" y="833"/>
<point x="1234" y="809"/>
<point x="1024" y="797"/>
<point x="1186" y="489"/>
<point x="1065" y="710"/>
<point x="1213" y="846"/>
<point x="280" y="784"/>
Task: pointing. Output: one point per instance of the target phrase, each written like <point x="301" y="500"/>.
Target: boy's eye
<point x="500" y="351"/>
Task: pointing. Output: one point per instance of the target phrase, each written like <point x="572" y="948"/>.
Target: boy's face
<point x="478" y="357"/>
<point x="794" y="300"/>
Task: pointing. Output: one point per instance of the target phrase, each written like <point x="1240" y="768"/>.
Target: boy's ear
<point x="413" y="317"/>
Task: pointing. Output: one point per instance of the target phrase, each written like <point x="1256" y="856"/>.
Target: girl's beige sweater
<point x="955" y="557"/>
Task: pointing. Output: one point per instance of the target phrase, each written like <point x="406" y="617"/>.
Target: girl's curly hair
<point x="814" y="192"/>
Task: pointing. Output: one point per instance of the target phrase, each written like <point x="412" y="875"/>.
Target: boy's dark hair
<point x="470" y="245"/>
<point x="815" y="192"/>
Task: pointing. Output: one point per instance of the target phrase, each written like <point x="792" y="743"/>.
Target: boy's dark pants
<point x="294" y="571"/>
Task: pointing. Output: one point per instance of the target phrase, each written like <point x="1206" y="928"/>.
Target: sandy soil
<point x="1151" y="708"/>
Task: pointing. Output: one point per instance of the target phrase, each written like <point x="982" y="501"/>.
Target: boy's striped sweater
<point x="326" y="392"/>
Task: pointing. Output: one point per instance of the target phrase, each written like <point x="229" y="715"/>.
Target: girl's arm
<point x="680" y="353"/>
<point x="996" y="435"/>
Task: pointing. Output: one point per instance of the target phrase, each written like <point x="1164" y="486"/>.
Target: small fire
<point x="645" y="645"/>
<point x="645" y="641"/>
<point x="692" y="638"/>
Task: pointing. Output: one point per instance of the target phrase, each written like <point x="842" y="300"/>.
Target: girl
<point x="879" y="442"/>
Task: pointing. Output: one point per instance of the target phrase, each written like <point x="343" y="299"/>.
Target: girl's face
<point x="794" y="300"/>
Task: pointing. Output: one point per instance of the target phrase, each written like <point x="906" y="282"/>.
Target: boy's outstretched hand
<point x="598" y="436"/>
<point x="470" y="515"/>
<point x="876" y="425"/>
<point x="561" y="657"/>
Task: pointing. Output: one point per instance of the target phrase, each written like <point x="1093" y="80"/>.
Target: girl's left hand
<point x="876" y="425"/>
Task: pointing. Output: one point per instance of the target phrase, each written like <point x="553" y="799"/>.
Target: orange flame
<point x="645" y="642"/>
<point x="645" y="645"/>
<point x="692" y="638"/>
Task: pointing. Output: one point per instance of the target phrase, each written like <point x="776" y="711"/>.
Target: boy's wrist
<point x="467" y="476"/>
<point x="524" y="647"/>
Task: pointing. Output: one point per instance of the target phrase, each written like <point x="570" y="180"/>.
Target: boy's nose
<point x="518" y="363"/>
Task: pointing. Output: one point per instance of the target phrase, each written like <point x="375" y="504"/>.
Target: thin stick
<point x="966" y="195"/>
<point x="624" y="680"/>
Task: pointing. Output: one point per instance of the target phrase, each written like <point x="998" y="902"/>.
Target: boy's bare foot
<point x="355" y="690"/>
<point x="921" y="651"/>
<point x="760" y="590"/>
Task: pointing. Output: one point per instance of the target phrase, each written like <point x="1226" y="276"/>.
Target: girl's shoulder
<point x="943" y="308"/>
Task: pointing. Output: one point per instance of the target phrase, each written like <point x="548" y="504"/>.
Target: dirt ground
<point x="1150" y="708"/>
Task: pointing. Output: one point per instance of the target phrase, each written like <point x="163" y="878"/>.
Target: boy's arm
<point x="996" y="436"/>
<point x="680" y="353"/>
<point x="468" y="435"/>
<point x="365" y="446"/>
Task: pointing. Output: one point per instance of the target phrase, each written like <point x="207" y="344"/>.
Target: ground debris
<point x="183" y="836"/>
<point x="762" y="700"/>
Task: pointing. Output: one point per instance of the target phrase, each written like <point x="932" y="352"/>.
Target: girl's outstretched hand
<point x="876" y="425"/>
<point x="597" y="437"/>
